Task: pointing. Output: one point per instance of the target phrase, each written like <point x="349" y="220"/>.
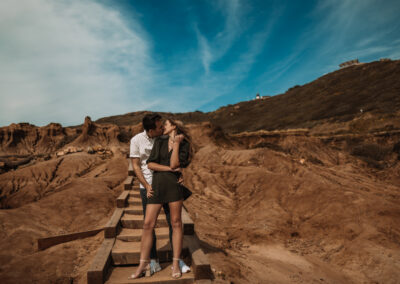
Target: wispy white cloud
<point x="340" y="31"/>
<point x="216" y="84"/>
<point x="213" y="49"/>
<point x="62" y="60"/>
<point x="349" y="26"/>
<point x="205" y="51"/>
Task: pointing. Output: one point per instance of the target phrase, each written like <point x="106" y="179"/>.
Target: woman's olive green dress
<point x="165" y="184"/>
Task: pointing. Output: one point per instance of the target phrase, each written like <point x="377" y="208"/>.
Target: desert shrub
<point x="371" y="151"/>
<point x="314" y="160"/>
<point x="362" y="125"/>
<point x="375" y="164"/>
<point x="124" y="136"/>
<point x="219" y="136"/>
<point x="352" y="142"/>
<point x="268" y="145"/>
<point x="396" y="149"/>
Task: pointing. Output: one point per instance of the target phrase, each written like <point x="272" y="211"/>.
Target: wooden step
<point x="137" y="210"/>
<point x="119" y="275"/>
<point x="130" y="168"/>
<point x="122" y="199"/>
<point x="134" y="209"/>
<point x="136" y="221"/>
<point x="101" y="263"/>
<point x="124" y="253"/>
<point x="129" y="252"/>
<point x="135" y="200"/>
<point x="134" y="193"/>
<point x="134" y="235"/>
<point x="113" y="225"/>
<point x="135" y="186"/>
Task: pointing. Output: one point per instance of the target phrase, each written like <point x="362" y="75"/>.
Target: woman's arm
<point x="174" y="162"/>
<point x="159" y="168"/>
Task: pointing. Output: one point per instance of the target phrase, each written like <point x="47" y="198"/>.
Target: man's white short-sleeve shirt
<point x="141" y="145"/>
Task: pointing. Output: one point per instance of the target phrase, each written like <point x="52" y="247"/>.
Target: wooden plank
<point x="135" y="201"/>
<point x="124" y="253"/>
<point x="97" y="272"/>
<point x="44" y="243"/>
<point x="128" y="182"/>
<point x="131" y="172"/>
<point x="122" y="199"/>
<point x="200" y="263"/>
<point x="188" y="224"/>
<point x="135" y="235"/>
<point x="120" y="275"/>
<point x="134" y="209"/>
<point x="128" y="253"/>
<point x="136" y="221"/>
<point x="135" y="193"/>
<point x="205" y="281"/>
<point x="113" y="225"/>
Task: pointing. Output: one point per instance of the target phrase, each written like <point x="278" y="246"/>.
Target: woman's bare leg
<point x="150" y="221"/>
<point x="177" y="232"/>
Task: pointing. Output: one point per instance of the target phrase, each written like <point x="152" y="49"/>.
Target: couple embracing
<point x="158" y="154"/>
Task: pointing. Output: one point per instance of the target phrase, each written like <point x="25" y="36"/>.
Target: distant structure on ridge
<point x="258" y="97"/>
<point x="349" y="63"/>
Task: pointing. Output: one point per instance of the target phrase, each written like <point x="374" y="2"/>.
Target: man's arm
<point x="139" y="174"/>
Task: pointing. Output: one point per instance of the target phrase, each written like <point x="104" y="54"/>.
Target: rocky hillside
<point x="336" y="97"/>
<point x="285" y="207"/>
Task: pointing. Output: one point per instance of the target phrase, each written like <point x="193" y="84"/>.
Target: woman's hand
<point x="179" y="138"/>
<point x="149" y="190"/>
<point x="176" y="169"/>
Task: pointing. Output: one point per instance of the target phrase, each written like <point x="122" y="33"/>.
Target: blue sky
<point x="63" y="60"/>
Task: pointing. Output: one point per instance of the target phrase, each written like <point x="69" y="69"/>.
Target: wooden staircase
<point x="119" y="255"/>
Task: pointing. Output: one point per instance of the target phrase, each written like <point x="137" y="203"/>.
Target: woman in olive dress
<point x="170" y="153"/>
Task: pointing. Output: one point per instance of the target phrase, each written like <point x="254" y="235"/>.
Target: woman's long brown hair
<point x="181" y="129"/>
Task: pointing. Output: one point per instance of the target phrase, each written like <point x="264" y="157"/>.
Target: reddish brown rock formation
<point x="25" y="143"/>
<point x="314" y="204"/>
<point x="25" y="139"/>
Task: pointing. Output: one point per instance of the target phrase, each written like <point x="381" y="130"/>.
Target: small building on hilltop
<point x="258" y="97"/>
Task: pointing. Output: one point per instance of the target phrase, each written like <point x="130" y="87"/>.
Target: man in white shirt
<point x="140" y="149"/>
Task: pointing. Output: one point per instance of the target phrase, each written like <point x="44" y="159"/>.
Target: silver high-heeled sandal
<point x="144" y="273"/>
<point x="176" y="275"/>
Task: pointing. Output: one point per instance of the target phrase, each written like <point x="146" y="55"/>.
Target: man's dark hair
<point x="149" y="121"/>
